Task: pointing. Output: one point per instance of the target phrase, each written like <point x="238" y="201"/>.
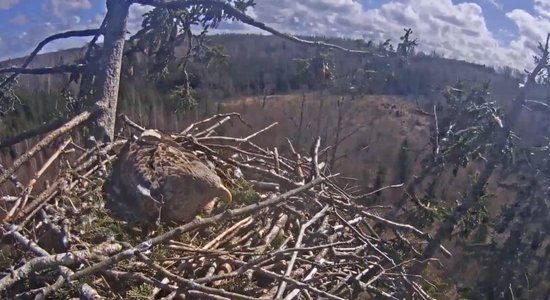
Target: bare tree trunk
<point x="108" y="77"/>
<point x="320" y="114"/>
<point x="339" y="125"/>
<point x="301" y="123"/>
<point x="264" y="101"/>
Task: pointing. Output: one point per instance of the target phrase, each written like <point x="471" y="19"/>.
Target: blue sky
<point x="493" y="32"/>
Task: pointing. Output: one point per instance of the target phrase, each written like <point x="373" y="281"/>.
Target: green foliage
<point x="435" y="285"/>
<point x="475" y="217"/>
<point x="278" y="240"/>
<point x="30" y="111"/>
<point x="236" y="285"/>
<point x="380" y="179"/>
<point x="140" y="291"/>
<point x="66" y="291"/>
<point x="514" y="255"/>
<point x="183" y="99"/>
<point x="403" y="165"/>
<point x="8" y="98"/>
<point x="470" y="120"/>
<point x="243" y="193"/>
<point x="212" y="58"/>
<point x="429" y="208"/>
<point x="162" y="29"/>
<point x="538" y="156"/>
<point x="406" y="47"/>
<point x="317" y="71"/>
<point x="436" y="290"/>
<point x="472" y="125"/>
<point x="165" y="29"/>
<point x="101" y="226"/>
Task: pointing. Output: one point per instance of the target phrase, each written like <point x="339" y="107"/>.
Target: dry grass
<point x="385" y="122"/>
<point x="381" y="123"/>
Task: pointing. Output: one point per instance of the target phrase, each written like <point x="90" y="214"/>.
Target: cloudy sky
<point x="493" y="32"/>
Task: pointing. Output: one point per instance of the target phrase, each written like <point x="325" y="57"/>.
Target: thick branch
<point x="288" y="272"/>
<point x="42" y="44"/>
<point x="10" y="141"/>
<point x="241" y="16"/>
<point x="79" y="119"/>
<point x="50" y="261"/>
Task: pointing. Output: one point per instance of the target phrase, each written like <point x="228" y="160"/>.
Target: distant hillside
<point x="257" y="61"/>
<point x="257" y="65"/>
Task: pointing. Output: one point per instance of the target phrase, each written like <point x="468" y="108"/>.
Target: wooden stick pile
<point x="291" y="233"/>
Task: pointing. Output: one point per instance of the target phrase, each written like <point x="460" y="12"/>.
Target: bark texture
<point x="108" y="78"/>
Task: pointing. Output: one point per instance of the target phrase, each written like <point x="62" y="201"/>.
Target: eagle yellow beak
<point x="226" y="194"/>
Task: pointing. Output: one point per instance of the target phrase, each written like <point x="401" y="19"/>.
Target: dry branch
<point x="33" y="181"/>
<point x="31" y="133"/>
<point x="79" y="119"/>
<point x="52" y="261"/>
<point x="241" y="16"/>
<point x="215" y="117"/>
<point x="42" y="44"/>
<point x="288" y="272"/>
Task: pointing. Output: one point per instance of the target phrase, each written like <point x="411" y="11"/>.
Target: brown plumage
<point x="156" y="177"/>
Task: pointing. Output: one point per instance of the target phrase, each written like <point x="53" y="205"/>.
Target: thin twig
<point x="288" y="272"/>
<point x="23" y="200"/>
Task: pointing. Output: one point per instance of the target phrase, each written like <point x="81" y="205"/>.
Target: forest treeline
<point x="254" y="65"/>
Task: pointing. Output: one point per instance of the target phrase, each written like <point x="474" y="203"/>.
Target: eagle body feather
<point x="159" y="179"/>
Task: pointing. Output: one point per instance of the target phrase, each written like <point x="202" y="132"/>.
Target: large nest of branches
<point x="291" y="232"/>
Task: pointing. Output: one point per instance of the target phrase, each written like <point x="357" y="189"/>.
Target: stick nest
<point x="292" y="232"/>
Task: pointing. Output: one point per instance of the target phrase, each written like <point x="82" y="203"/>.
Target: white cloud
<point x="532" y="29"/>
<point x="21" y="43"/>
<point x="542" y="7"/>
<point x="135" y="17"/>
<point x="7" y="4"/>
<point x="454" y="30"/>
<point x="60" y="7"/>
<point x="495" y="3"/>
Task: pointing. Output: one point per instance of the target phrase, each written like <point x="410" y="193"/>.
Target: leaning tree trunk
<point x="108" y="77"/>
<point x="510" y="120"/>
